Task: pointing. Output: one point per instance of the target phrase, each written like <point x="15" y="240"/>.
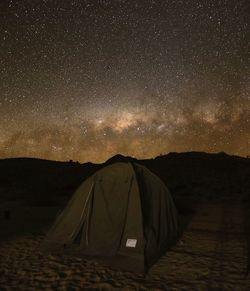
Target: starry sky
<point x="87" y="79"/>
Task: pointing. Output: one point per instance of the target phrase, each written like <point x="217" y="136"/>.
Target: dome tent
<point x="123" y="215"/>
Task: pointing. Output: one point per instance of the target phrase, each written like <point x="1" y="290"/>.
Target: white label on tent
<point x="131" y="243"/>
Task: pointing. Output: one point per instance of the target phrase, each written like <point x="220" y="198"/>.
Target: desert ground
<point x="211" y="255"/>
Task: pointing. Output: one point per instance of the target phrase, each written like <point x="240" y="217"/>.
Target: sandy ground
<point x="212" y="255"/>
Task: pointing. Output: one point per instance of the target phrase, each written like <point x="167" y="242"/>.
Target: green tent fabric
<point x="123" y="216"/>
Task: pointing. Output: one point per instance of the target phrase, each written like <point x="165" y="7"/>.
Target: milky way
<point x="85" y="80"/>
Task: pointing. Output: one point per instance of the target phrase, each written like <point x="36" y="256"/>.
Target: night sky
<point x="87" y="79"/>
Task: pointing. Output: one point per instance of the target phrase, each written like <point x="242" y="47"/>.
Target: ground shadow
<point x="21" y="218"/>
<point x="247" y="232"/>
<point x="186" y="208"/>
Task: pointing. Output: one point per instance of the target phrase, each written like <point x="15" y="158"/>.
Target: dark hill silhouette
<point x="37" y="179"/>
<point x="196" y="174"/>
